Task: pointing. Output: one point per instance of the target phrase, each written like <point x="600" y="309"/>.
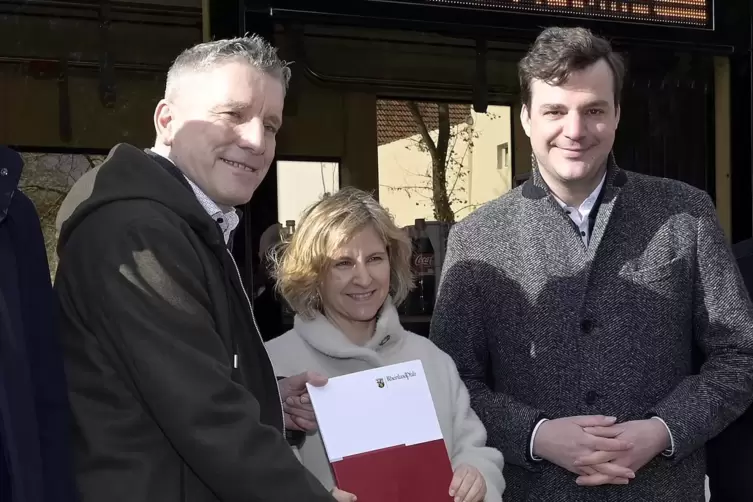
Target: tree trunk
<point x="438" y="151"/>
<point x="442" y="208"/>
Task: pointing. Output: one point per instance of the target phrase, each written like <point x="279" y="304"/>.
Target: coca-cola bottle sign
<point x="424" y="263"/>
<point x="421" y="299"/>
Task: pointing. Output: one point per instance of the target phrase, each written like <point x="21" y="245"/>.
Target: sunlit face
<point x="220" y="129"/>
<point x="358" y="280"/>
<point x="572" y="126"/>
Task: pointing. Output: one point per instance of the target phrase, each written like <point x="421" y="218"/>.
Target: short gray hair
<point x="253" y="49"/>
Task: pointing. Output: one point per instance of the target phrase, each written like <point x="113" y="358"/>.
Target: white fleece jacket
<point x="318" y="345"/>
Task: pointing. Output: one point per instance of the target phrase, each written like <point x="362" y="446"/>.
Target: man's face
<point x="572" y="126"/>
<point x="220" y="128"/>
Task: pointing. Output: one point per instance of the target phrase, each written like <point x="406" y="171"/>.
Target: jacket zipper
<point x="258" y="332"/>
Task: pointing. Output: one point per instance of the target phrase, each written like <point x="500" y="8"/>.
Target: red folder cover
<point x="368" y="464"/>
<point x="415" y="473"/>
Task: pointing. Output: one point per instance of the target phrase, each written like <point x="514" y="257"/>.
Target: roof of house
<point x="395" y="122"/>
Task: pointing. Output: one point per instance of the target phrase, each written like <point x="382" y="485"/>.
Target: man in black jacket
<point x="34" y="425"/>
<point x="173" y="395"/>
<point x="729" y="456"/>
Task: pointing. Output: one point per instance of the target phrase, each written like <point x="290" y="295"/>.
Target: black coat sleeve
<point x="147" y="298"/>
<point x="39" y="312"/>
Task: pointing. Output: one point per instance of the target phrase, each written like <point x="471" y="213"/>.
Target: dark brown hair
<point x="558" y="52"/>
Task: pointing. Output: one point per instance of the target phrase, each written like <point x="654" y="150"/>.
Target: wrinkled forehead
<point x="595" y="83"/>
<point x="235" y="81"/>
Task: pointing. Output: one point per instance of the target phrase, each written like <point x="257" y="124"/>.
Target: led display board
<point x="679" y="13"/>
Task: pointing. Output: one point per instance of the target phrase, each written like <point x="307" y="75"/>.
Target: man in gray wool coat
<point x="572" y="304"/>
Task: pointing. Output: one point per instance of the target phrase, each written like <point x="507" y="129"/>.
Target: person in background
<point x="267" y="305"/>
<point x="269" y="239"/>
<point x="35" y="449"/>
<point x="572" y="304"/>
<point x="173" y="395"/>
<point x="343" y="272"/>
<point x="729" y="457"/>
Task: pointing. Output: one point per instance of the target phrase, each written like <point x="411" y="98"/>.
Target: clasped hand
<point x="599" y="450"/>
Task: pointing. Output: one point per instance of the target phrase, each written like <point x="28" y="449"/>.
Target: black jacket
<point x="154" y="314"/>
<point x="35" y="451"/>
<point x="729" y="456"/>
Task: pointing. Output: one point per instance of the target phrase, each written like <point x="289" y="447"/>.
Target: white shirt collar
<point x="581" y="214"/>
<point x="228" y="221"/>
<point x="587" y="205"/>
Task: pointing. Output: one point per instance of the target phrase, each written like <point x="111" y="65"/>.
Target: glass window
<point x="440" y="161"/>
<point x="46" y="180"/>
<point x="503" y="156"/>
<point x="301" y="183"/>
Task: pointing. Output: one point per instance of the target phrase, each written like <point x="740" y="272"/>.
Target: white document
<point x="375" y="409"/>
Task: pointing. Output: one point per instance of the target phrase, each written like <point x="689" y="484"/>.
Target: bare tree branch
<point x="469" y="206"/>
<point x="416" y="113"/>
<point x="32" y="187"/>
<point x="439" y="160"/>
<point x="443" y="138"/>
<point x="91" y="162"/>
<point x="447" y="164"/>
<point x="408" y="187"/>
<point x="442" y="207"/>
<point x="460" y="167"/>
<point x="53" y="209"/>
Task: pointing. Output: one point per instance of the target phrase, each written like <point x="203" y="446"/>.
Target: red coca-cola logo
<point x="424" y="262"/>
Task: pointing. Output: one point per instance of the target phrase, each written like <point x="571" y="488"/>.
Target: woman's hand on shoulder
<point x="468" y="485"/>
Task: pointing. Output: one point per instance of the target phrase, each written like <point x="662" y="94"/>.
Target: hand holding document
<point x="382" y="436"/>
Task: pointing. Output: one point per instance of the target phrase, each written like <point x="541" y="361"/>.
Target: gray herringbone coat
<point x="540" y="325"/>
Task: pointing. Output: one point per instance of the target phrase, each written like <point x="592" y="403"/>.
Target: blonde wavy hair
<point x="301" y="263"/>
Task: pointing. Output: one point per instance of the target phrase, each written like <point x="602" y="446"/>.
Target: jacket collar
<point x="131" y="173"/>
<point x="536" y="188"/>
<point x="326" y="338"/>
<point x="11" y="166"/>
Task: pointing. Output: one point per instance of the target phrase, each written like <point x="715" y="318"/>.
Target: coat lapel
<point x="616" y="179"/>
<point x="536" y="188"/>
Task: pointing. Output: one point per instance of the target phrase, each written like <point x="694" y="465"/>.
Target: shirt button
<point x="586" y="326"/>
<point x="583" y="234"/>
<point x="4" y="172"/>
<point x="386" y="339"/>
<point x="591" y="397"/>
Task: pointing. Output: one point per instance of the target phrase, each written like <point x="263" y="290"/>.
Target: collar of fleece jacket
<point x="324" y="337"/>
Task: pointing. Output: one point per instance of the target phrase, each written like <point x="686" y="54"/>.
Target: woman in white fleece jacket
<point x="340" y="272"/>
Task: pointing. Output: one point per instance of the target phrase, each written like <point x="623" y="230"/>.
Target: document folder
<point x="382" y="436"/>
